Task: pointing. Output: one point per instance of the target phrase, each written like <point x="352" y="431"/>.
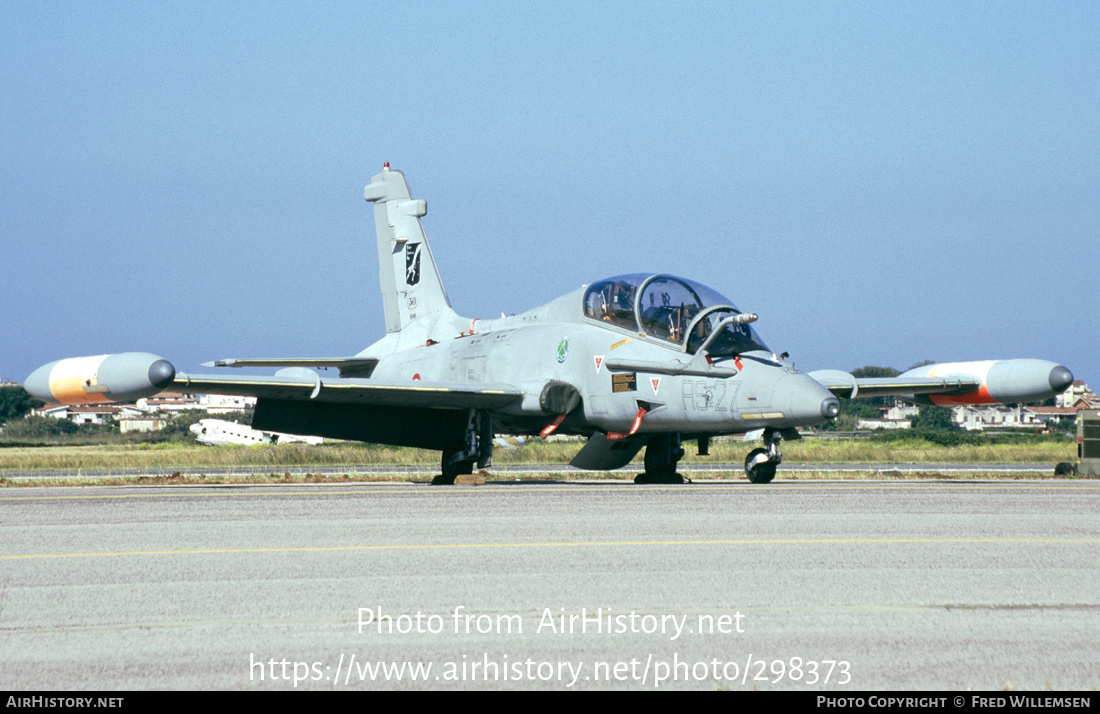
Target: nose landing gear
<point x="760" y="464"/>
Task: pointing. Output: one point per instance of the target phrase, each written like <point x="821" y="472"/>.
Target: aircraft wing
<point x="372" y="392"/>
<point x="415" y="413"/>
<point x="129" y="376"/>
<point x="1011" y="381"/>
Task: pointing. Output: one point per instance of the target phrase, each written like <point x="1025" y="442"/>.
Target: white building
<point x="225" y="403"/>
<point x="899" y="416"/>
<point x="169" y="403"/>
<point x="1077" y="392"/>
<point x="89" y="414"/>
<point x="980" y="418"/>
<point x="149" y="414"/>
<point x="902" y="411"/>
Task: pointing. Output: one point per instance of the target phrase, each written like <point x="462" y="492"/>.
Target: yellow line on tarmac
<point x="200" y="494"/>
<point x="563" y="544"/>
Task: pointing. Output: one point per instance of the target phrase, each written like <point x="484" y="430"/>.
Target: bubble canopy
<point x="671" y="309"/>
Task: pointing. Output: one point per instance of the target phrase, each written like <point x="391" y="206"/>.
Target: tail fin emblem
<point x="412" y="263"/>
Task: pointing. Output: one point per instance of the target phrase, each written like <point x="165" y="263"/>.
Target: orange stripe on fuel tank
<point x="978" y="369"/>
<point x="70" y="380"/>
<point x="981" y="396"/>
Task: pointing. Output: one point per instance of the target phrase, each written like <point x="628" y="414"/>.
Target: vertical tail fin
<point x="411" y="287"/>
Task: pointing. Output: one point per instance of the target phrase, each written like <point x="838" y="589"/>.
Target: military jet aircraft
<point x="633" y="361"/>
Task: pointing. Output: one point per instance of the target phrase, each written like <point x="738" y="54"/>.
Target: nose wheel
<point x="758" y="468"/>
<point x="760" y="464"/>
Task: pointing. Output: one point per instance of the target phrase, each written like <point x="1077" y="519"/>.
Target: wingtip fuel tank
<point x="1010" y="381"/>
<point x="123" y="377"/>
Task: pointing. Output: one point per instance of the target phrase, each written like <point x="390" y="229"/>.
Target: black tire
<point x="659" y="477"/>
<point x="1065" y="468"/>
<point x="452" y="469"/>
<point x="761" y="473"/>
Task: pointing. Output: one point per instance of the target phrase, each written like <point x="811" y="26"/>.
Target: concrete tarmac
<point x="520" y="471"/>
<point x="824" y="585"/>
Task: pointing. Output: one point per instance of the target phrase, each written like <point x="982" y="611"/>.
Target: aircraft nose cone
<point x="804" y="400"/>
<point x="1060" y="378"/>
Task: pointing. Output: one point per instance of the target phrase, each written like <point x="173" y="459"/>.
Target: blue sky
<point x="882" y="182"/>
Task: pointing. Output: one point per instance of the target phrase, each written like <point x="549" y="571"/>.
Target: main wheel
<point x="1065" y="468"/>
<point x="452" y="469"/>
<point x="659" y="477"/>
<point x="662" y="453"/>
<point x="759" y="470"/>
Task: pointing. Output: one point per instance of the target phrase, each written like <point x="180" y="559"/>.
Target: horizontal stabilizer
<point x="348" y="366"/>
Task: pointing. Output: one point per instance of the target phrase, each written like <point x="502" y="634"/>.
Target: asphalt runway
<point x="521" y="471"/>
<point x="824" y="585"/>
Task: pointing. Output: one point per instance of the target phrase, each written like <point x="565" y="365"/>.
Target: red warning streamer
<point x="633" y="428"/>
<point x="553" y="426"/>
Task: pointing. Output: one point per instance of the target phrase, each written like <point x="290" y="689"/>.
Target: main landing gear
<point x="476" y="448"/>
<point x="760" y="464"/>
<point x="662" y="453"/>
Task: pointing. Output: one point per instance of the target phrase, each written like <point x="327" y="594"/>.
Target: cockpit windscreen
<point x="670" y="309"/>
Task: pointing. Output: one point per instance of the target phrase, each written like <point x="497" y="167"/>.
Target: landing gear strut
<point x="760" y="464"/>
<point x="662" y="453"/>
<point x="461" y="455"/>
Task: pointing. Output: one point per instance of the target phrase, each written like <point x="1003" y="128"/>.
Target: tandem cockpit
<point x="673" y="310"/>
